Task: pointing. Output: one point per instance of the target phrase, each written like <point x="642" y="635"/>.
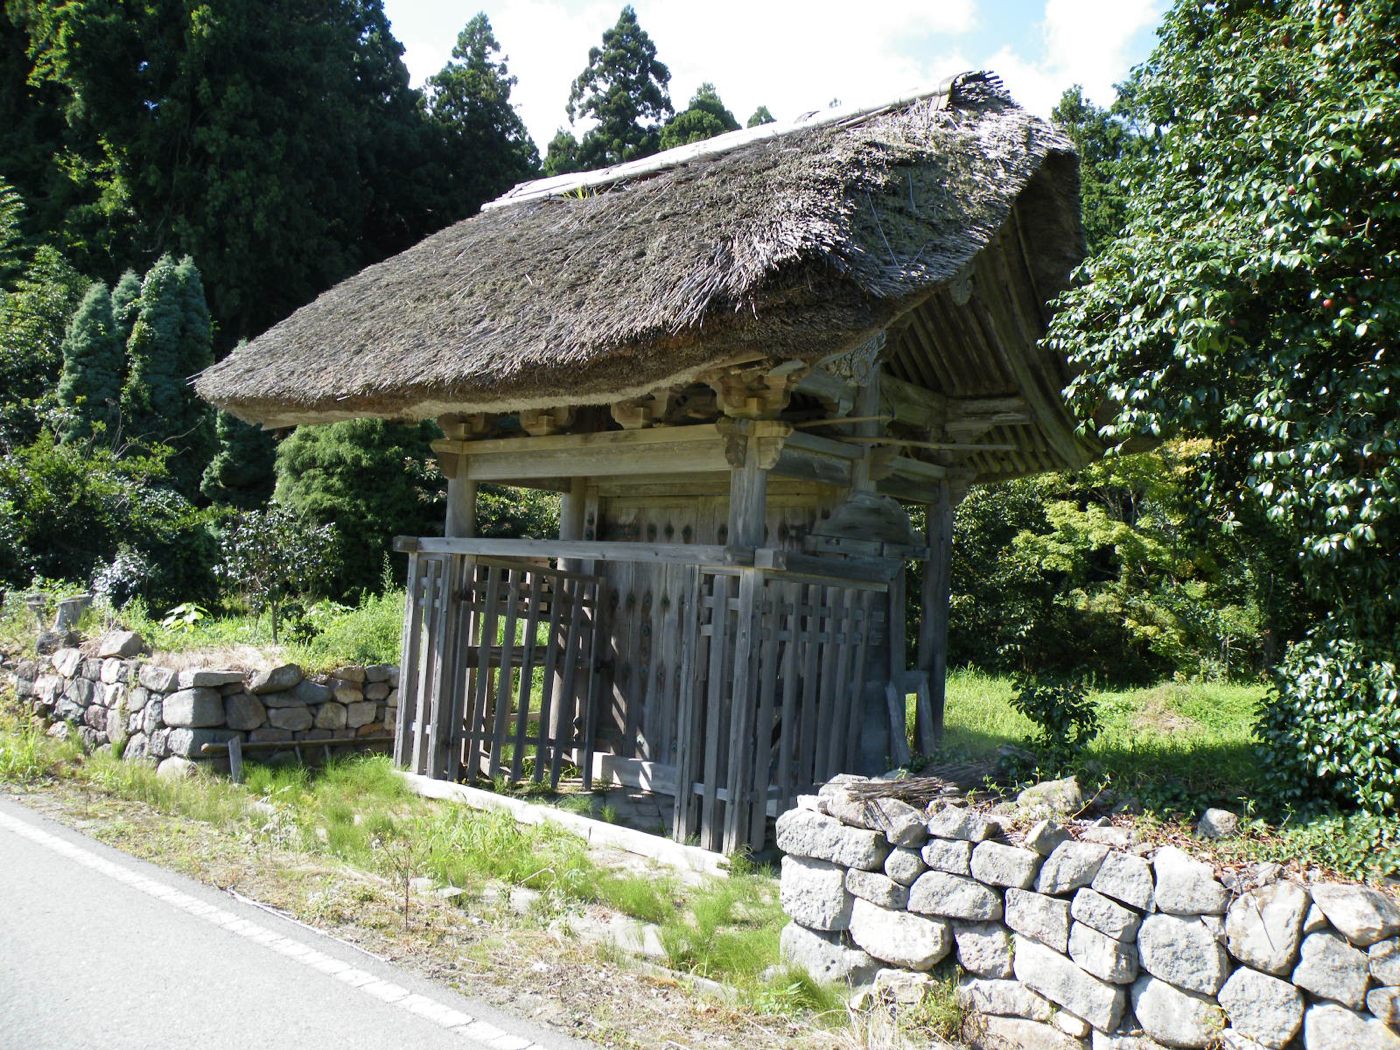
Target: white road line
<point x="384" y="991"/>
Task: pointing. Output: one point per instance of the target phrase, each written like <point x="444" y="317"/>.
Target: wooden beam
<point x="600" y="550"/>
<point x="933" y="628"/>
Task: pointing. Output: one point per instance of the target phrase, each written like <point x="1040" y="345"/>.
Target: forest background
<point x="177" y="176"/>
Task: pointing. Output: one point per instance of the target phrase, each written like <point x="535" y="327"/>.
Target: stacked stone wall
<point x="165" y="715"/>
<point x="1081" y="938"/>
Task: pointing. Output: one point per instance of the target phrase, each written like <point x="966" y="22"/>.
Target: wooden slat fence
<point x="772" y="704"/>
<point x="499" y="668"/>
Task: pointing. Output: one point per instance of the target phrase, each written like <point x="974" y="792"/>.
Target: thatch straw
<point x="796" y="246"/>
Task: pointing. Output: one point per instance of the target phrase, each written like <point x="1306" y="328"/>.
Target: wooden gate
<point x="499" y="669"/>
<point x="773" y="702"/>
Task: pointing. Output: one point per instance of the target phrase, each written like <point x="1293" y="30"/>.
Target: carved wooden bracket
<point x="541" y="422"/>
<point x="755" y="392"/>
<point x="465" y="428"/>
<point x="764" y="438"/>
<point x="639" y="413"/>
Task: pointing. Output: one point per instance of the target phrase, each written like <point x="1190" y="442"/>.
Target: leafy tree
<point x="1103" y="139"/>
<point x="274" y="557"/>
<point x="704" y="118"/>
<point x="170" y="342"/>
<point x="12" y="247"/>
<point x="33" y="321"/>
<point x="282" y="148"/>
<point x="487" y="147"/>
<point x="126" y="301"/>
<point x="94" y="357"/>
<point x="760" y="116"/>
<point x="241" y="472"/>
<point x="562" y="156"/>
<point x="1251" y="300"/>
<point x="71" y="509"/>
<point x="624" y="89"/>
<point x="371" y="479"/>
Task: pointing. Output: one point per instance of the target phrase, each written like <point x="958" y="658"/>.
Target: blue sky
<point x="795" y="57"/>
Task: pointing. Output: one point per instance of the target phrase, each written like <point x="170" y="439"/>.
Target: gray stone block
<point x="1384" y="961"/>
<point x="67" y="662"/>
<point x="898" y="937"/>
<point x="1384" y="1003"/>
<point x="157" y="679"/>
<point x="378" y="672"/>
<point x="120" y="644"/>
<point x="361" y="714"/>
<point x="1364" y="915"/>
<point x="904" y="865"/>
<point x="1106" y="958"/>
<point x="1002" y="999"/>
<point x="1094" y="909"/>
<point x="1261" y="1007"/>
<point x="825" y="956"/>
<point x="1327" y="1026"/>
<point x="244" y="711"/>
<point x="953" y="897"/>
<point x="1045" y="919"/>
<point x="1186" y="886"/>
<point x="176" y="768"/>
<point x="960" y="822"/>
<point x="1265" y="927"/>
<point x="1333" y="969"/>
<point x="1070" y="866"/>
<point x="984" y="949"/>
<point x="1050" y="974"/>
<point x="208" y="679"/>
<point x="1017" y="1033"/>
<point x="1044" y="836"/>
<point x="330" y="715"/>
<point x="951" y="855"/>
<point x="194" y="707"/>
<point x="803" y="833"/>
<point x="293" y="718"/>
<point x="377" y="691"/>
<point x="998" y="865"/>
<point x="1174" y="1017"/>
<point x="877" y="889"/>
<point x="813" y="893"/>
<point x="186" y="743"/>
<point x="1183" y="952"/>
<point x="275" y="680"/>
<point x="1218" y="824"/>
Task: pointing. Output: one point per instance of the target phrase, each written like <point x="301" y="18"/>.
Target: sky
<point x="795" y="56"/>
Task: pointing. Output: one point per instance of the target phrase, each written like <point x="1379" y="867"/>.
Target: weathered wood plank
<point x="654" y="553"/>
<point x="409" y="697"/>
<point x="527" y="677"/>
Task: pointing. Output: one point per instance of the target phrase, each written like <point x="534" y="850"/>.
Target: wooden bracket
<point x="465" y="427"/>
<point x="639" y="413"/>
<point x="763" y="437"/>
<point x="760" y="392"/>
<point x="542" y="422"/>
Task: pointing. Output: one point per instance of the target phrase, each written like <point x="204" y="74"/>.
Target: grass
<point x="357" y="810"/>
<point x="1178" y="745"/>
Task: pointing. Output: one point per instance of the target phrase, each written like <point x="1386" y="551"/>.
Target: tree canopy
<point x="487" y="149"/>
<point x="704" y="118"/>
<point x="625" y="90"/>
<point x="1252" y="299"/>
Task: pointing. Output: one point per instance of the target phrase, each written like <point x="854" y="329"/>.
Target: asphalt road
<point x="98" y="949"/>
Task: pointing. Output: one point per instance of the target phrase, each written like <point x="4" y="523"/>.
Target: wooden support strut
<point x="933" y="629"/>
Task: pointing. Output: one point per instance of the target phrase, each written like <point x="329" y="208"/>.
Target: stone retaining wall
<point x="1085" y="940"/>
<point x="165" y="715"/>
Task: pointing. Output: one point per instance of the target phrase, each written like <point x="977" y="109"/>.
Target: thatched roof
<point x="792" y="243"/>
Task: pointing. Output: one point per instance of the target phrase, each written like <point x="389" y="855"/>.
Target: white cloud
<point x="789" y="55"/>
<point x="1086" y="42"/>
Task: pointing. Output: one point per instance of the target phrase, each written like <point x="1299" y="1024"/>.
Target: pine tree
<point x="126" y="300"/>
<point x="487" y="147"/>
<point x="562" y="157"/>
<point x="90" y="387"/>
<point x="33" y="319"/>
<point x="760" y="116"/>
<point x="170" y="341"/>
<point x="623" y="88"/>
<point x="241" y="472"/>
<point x="705" y="118"/>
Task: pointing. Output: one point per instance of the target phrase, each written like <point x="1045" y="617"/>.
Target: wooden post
<point x="461" y="501"/>
<point x="933" y="627"/>
<point x="449" y="683"/>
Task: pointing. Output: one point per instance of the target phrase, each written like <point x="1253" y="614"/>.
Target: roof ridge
<point x="847" y="116"/>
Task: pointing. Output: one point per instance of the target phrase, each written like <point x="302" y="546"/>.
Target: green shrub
<point x="1065" y="718"/>
<point x="1330" y="729"/>
<point x="275" y="557"/>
